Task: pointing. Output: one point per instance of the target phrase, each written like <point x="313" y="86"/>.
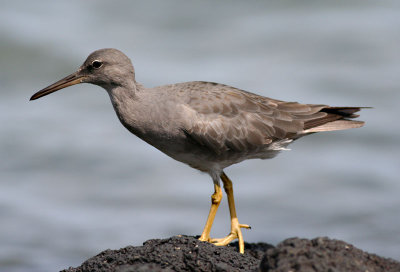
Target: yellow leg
<point x="236" y="232"/>
<point x="215" y="200"/>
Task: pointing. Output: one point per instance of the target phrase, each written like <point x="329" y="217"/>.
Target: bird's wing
<point x="225" y="118"/>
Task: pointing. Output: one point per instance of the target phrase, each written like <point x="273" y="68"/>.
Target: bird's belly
<point x="205" y="164"/>
<point x="179" y="147"/>
<point x="206" y="161"/>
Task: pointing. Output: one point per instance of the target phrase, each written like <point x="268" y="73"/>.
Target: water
<point x="74" y="182"/>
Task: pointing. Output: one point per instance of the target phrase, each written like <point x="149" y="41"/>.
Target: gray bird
<point x="207" y="125"/>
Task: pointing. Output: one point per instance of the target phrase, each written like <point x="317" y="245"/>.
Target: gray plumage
<point x="206" y="125"/>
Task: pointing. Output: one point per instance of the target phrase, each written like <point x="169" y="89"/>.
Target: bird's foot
<point x="236" y="233"/>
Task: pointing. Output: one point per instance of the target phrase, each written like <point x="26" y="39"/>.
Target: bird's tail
<point x="336" y="118"/>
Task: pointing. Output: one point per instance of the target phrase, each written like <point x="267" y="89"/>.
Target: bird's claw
<point x="236" y="233"/>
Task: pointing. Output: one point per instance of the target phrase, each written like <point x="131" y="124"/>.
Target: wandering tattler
<point x="207" y="125"/>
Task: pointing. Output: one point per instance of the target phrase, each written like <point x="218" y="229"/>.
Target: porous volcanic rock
<point x="186" y="253"/>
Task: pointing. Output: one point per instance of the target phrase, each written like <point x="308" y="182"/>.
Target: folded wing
<point x="231" y="119"/>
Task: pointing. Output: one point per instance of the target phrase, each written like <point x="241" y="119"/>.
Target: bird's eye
<point x="97" y="64"/>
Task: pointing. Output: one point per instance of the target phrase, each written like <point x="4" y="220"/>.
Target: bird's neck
<point x="126" y="103"/>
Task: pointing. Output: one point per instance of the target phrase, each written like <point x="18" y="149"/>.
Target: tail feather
<point x="336" y="125"/>
<point x="347" y="112"/>
<point x="336" y="118"/>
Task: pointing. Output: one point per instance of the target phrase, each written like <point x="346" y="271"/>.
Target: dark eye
<point x="97" y="64"/>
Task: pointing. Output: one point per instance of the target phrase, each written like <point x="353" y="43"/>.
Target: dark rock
<point x="178" y="253"/>
<point x="185" y="253"/>
<point x="323" y="254"/>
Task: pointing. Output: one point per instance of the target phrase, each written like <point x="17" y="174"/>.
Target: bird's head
<point x="107" y="68"/>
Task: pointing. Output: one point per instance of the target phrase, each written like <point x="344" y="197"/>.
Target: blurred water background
<point x="74" y="182"/>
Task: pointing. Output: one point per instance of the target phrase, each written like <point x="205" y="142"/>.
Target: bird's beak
<point x="70" y="80"/>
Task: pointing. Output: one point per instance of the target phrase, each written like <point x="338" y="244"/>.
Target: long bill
<point x="67" y="81"/>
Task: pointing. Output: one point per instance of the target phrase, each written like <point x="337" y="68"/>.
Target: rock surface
<point x="185" y="253"/>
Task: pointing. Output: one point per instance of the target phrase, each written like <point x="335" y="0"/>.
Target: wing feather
<point x="225" y="118"/>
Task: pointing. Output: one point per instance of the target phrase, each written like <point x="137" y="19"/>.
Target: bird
<point x="206" y="125"/>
